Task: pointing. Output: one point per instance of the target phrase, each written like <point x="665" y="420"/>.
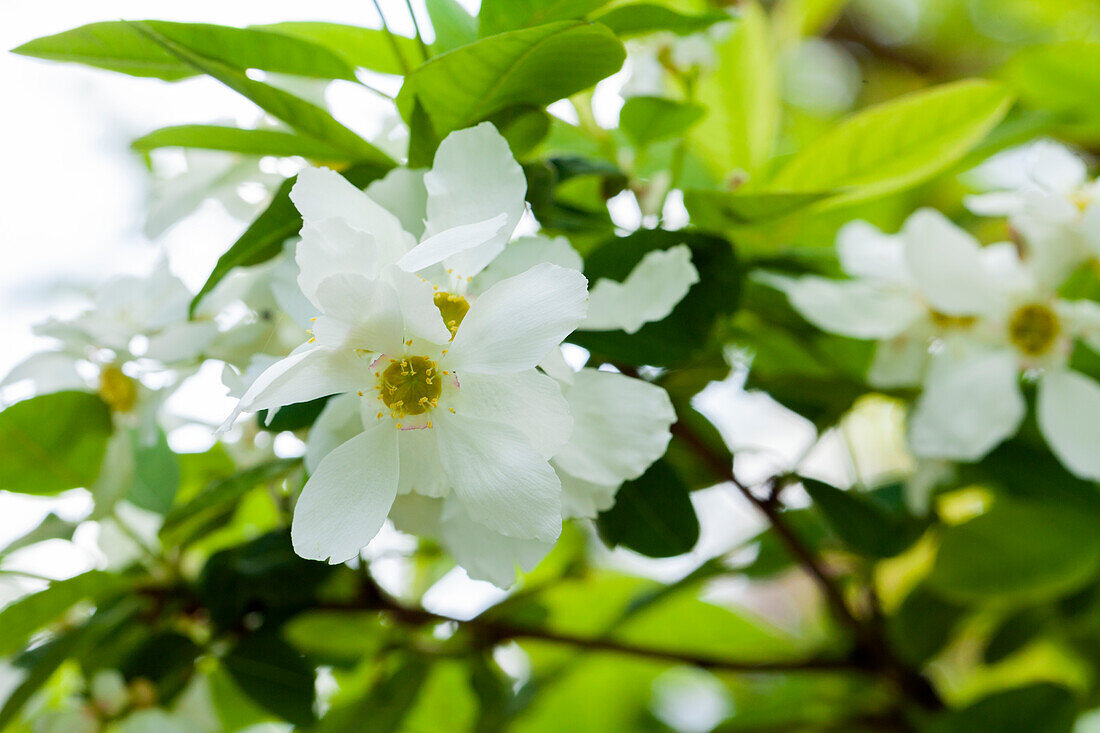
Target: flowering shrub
<point x="770" y="404"/>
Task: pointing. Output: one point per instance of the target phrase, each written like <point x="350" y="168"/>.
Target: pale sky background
<point x="72" y="203"/>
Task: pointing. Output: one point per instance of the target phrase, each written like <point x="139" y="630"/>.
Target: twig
<point x="419" y="35"/>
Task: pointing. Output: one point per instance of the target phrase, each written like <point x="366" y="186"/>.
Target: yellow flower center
<point x="410" y="386"/>
<point x="453" y="308"/>
<point x="945" y="321"/>
<point x="1033" y="329"/>
<point x="117" y="390"/>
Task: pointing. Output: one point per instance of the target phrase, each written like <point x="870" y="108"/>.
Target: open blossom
<point x="991" y="318"/>
<point x="448" y="397"/>
<point x="1043" y="189"/>
<point x="928" y="282"/>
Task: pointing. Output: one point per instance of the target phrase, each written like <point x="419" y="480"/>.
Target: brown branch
<point x="872" y="649"/>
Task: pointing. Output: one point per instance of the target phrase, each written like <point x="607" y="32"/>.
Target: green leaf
<point x="1062" y="78"/>
<point x="453" y="26"/>
<point x="535" y="67"/>
<point x="118" y="46"/>
<point x="722" y="210"/>
<point x="27" y="615"/>
<point x="498" y="16"/>
<point x="274" y="675"/>
<point x="365" y="47"/>
<point x="167" y="659"/>
<point x="648" y="119"/>
<point x="922" y="625"/>
<point x="899" y="143"/>
<point x="864" y="524"/>
<point x="52" y="527"/>
<point x="675" y="339"/>
<point x="1018" y="551"/>
<point x="386" y="702"/>
<point x="216" y="502"/>
<point x="523" y="127"/>
<point x="280" y="221"/>
<point x="638" y="19"/>
<point x="742" y="98"/>
<point x="297" y="416"/>
<point x="156" y="473"/>
<point x="238" y="140"/>
<point x="652" y="515"/>
<point x="53" y="442"/>
<point x="340" y="636"/>
<point x="1041" y="708"/>
<point x="305" y="117"/>
<point x="1014" y="633"/>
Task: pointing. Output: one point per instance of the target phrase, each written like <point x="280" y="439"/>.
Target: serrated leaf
<point x="652" y="515"/>
<point x="118" y="46"/>
<point x="53" y="442"/>
<point x="898" y="143"/>
<point x="535" y="66"/>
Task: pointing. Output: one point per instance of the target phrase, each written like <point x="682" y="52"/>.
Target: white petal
<point x="968" y="406"/>
<point x="402" y="193"/>
<point x="338" y="423"/>
<point x="649" y="293"/>
<point x="1069" y="415"/>
<point x="526" y="252"/>
<point x="503" y="481"/>
<point x="620" y="426"/>
<point x="946" y="264"/>
<point x="345" y="502"/>
<point x="1054" y="167"/>
<point x="1081" y="319"/>
<point x="900" y="361"/>
<point x="855" y="308"/>
<point x="183" y="341"/>
<point x="449" y="242"/>
<point x="421" y="471"/>
<point x="320" y="193"/>
<point x="359" y="314"/>
<point x="416" y="514"/>
<point x="998" y="203"/>
<point x="48" y="371"/>
<point x="418" y="310"/>
<point x="304" y="375"/>
<point x="515" y="323"/>
<point x="864" y="251"/>
<point x="530" y="402"/>
<point x="474" y="178"/>
<point x="584" y="499"/>
<point x="331" y="247"/>
<point x="557" y="367"/>
<point x="1090" y="228"/>
<point x="485" y="554"/>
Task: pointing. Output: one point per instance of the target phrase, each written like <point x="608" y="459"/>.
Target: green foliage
<point x="237" y="140"/>
<point x="156" y="473"/>
<point x="124" y="47"/>
<point x="359" y="47"/>
<point x="898" y="143"/>
<point x="274" y="675"/>
<point x="1018" y="551"/>
<point x="53" y="442"/>
<point x="453" y="26"/>
<point x="648" y="119"/>
<point x="1059" y="77"/>
<point x="498" y="16"/>
<point x="1042" y="708"/>
<point x="636" y="19"/>
<point x="652" y="515"/>
<point x="535" y="66"/>
<point x="863" y="521"/>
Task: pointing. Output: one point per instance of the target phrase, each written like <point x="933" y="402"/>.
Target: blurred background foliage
<point x="980" y="613"/>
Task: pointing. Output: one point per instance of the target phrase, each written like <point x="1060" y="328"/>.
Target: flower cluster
<point x="970" y="324"/>
<point x="452" y="411"/>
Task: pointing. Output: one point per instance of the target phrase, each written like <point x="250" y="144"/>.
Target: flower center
<point x="410" y="386"/>
<point x="945" y="321"/>
<point x="117" y="390"/>
<point x="1033" y="329"/>
<point x="453" y="309"/>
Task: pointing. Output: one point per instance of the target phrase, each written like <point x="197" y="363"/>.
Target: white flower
<point x="449" y="401"/>
<point x="1043" y="189"/>
<point x="930" y="281"/>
